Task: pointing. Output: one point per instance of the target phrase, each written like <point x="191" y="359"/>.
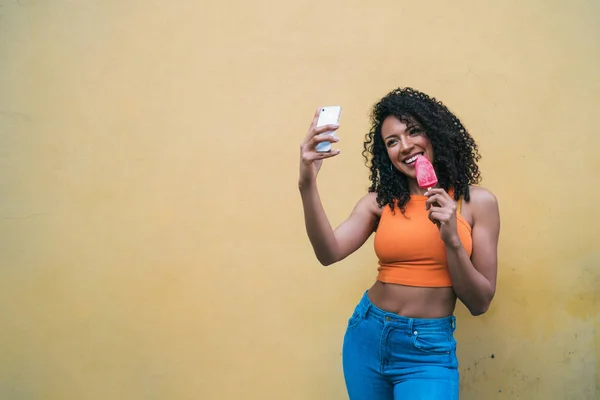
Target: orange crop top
<point x="410" y="249"/>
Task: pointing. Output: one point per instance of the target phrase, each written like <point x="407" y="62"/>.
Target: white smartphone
<point x="327" y="116"/>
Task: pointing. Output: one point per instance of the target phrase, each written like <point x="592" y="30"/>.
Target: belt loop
<point x="365" y="305"/>
<point x="453" y="323"/>
<point x="409" y="326"/>
<point x="365" y="310"/>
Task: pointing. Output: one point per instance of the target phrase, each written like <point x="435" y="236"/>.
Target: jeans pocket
<point x="434" y="342"/>
<point x="355" y="319"/>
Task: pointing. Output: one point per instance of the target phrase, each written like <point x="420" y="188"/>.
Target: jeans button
<point x="388" y="319"/>
<point x="416" y="333"/>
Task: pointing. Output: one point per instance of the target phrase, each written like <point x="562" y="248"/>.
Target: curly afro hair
<point x="455" y="151"/>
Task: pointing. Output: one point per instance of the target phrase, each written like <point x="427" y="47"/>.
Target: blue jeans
<point x="389" y="357"/>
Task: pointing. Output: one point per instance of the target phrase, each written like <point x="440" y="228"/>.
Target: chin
<point x="408" y="175"/>
<point x="408" y="172"/>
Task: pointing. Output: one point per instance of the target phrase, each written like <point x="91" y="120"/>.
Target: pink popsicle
<point x="426" y="177"/>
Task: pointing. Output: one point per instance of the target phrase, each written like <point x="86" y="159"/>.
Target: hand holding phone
<point x="316" y="146"/>
<point x="329" y="115"/>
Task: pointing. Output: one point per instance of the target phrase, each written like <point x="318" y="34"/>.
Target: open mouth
<point x="411" y="159"/>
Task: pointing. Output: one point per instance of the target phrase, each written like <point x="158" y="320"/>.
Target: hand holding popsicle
<point x="442" y="209"/>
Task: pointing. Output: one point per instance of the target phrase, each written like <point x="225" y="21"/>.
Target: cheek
<point x="391" y="153"/>
<point x="426" y="144"/>
<point x="430" y="149"/>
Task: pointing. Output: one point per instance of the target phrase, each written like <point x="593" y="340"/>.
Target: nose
<point x="405" y="144"/>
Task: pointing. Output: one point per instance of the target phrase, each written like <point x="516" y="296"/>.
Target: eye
<point x="391" y="142"/>
<point x="415" y="131"/>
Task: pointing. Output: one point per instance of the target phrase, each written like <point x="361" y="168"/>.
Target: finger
<point x="440" y="211"/>
<point x="431" y="201"/>
<point x="324" y="138"/>
<point x="438" y="191"/>
<point x="434" y="218"/>
<point x="322" y="156"/>
<point x="438" y="217"/>
<point x="440" y="199"/>
<point x="325" y="128"/>
<point x="310" y="156"/>
<point x="431" y="198"/>
<point x="313" y="123"/>
<point x="434" y="190"/>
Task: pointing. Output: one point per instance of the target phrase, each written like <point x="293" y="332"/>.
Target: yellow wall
<point x="151" y="235"/>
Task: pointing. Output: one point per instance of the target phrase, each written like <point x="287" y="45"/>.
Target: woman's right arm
<point x="330" y="246"/>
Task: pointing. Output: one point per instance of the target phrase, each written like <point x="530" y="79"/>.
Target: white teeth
<point x="410" y="160"/>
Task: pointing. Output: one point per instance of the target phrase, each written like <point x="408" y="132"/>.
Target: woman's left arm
<point x="474" y="278"/>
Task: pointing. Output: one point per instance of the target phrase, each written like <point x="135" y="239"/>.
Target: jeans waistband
<point x="366" y="308"/>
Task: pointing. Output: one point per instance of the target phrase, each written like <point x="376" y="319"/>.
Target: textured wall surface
<point x="152" y="243"/>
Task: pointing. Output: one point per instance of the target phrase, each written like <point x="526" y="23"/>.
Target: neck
<point x="414" y="188"/>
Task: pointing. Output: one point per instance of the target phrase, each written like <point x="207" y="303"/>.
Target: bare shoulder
<point x="483" y="203"/>
<point x="367" y="205"/>
<point x="481" y="196"/>
<point x="369" y="202"/>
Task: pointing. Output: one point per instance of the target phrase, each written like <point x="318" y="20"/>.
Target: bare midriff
<point x="413" y="302"/>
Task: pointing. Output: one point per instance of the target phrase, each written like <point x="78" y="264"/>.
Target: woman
<point x="433" y="246"/>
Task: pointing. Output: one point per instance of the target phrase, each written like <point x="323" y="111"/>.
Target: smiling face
<point x="404" y="141"/>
